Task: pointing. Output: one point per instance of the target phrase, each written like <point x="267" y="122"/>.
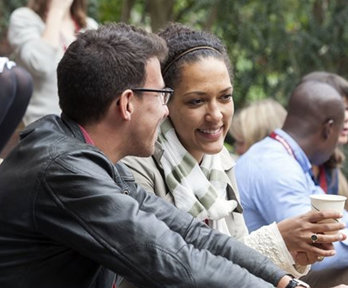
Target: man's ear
<point x="327" y="127"/>
<point x="125" y="105"/>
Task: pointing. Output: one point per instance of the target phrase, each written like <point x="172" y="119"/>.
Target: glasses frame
<point x="165" y="93"/>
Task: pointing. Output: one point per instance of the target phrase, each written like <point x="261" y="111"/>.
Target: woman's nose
<point x="214" y="112"/>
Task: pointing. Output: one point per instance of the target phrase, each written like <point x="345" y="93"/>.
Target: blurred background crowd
<point x="271" y="43"/>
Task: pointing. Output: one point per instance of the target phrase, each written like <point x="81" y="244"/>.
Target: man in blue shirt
<point x="274" y="176"/>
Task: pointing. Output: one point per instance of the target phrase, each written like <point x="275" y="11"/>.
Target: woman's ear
<point x="124" y="104"/>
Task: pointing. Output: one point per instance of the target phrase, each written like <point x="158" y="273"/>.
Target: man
<point x="274" y="176"/>
<point x="329" y="175"/>
<point x="69" y="217"/>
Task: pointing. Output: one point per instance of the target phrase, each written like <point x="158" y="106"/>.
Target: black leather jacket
<point x="66" y="212"/>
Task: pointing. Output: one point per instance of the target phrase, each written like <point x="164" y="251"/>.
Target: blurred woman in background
<point x="254" y="122"/>
<point x="39" y="35"/>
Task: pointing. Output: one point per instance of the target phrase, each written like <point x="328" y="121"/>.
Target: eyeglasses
<point x="165" y="93"/>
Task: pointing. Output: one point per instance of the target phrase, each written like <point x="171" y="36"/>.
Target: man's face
<point x="333" y="141"/>
<point x="343" y="138"/>
<point x="149" y="112"/>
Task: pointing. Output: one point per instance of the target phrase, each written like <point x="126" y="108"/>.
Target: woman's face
<point x="202" y="106"/>
<point x="343" y="138"/>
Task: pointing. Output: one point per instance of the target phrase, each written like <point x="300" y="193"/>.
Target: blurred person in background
<point x="39" y="35"/>
<point x="15" y="91"/>
<point x="274" y="176"/>
<point x="329" y="175"/>
<point x="254" y="122"/>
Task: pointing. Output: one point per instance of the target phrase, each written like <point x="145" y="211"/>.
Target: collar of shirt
<point x="300" y="156"/>
<point x="88" y="138"/>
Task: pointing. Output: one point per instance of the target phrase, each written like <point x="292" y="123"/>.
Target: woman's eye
<point x="194" y="102"/>
<point x="227" y="97"/>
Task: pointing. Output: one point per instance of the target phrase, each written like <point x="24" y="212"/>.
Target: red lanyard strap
<point x="282" y="141"/>
<point x="322" y="178"/>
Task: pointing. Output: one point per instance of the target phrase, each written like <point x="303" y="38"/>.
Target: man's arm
<point x="93" y="212"/>
<point x="203" y="237"/>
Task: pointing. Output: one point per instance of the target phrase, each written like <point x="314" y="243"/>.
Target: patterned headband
<point x="166" y="68"/>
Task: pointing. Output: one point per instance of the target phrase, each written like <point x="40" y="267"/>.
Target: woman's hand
<point x="57" y="12"/>
<point x="307" y="258"/>
<point x="60" y="5"/>
<point x="297" y="233"/>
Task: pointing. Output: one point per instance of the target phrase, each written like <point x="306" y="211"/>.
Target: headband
<point x="166" y="68"/>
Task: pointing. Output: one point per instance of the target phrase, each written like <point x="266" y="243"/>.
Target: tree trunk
<point x="161" y="12"/>
<point x="126" y="10"/>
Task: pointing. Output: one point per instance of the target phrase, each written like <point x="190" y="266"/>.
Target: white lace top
<point x="268" y="241"/>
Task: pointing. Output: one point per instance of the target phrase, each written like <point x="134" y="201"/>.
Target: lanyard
<point x="282" y="141"/>
<point x="322" y="177"/>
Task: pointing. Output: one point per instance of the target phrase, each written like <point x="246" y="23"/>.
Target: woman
<point x="39" y="35"/>
<point x="192" y="169"/>
<point x="254" y="122"/>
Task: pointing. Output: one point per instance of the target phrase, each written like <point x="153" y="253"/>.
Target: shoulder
<point x="81" y="161"/>
<point x="144" y="170"/>
<point x="148" y="175"/>
<point x="25" y="14"/>
<point x="267" y="155"/>
<point x="64" y="146"/>
<point x="228" y="165"/>
<point x="91" y="23"/>
<point x="267" y="165"/>
<point x="227" y="160"/>
<point x="143" y="165"/>
<point x="24" y="24"/>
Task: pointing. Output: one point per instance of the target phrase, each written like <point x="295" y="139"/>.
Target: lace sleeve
<point x="268" y="241"/>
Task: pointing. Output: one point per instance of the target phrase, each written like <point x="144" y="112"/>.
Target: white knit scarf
<point x="197" y="189"/>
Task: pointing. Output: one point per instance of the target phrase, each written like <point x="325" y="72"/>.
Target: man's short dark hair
<point x="334" y="80"/>
<point x="100" y="65"/>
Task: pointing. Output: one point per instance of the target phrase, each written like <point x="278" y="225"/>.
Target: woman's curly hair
<point x="181" y="38"/>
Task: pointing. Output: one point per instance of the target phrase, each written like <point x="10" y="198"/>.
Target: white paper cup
<point x="321" y="202"/>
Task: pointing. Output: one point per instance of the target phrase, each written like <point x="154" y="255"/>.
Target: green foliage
<point x="110" y="10"/>
<point x="273" y="43"/>
<point x="93" y="9"/>
<point x="6" y="7"/>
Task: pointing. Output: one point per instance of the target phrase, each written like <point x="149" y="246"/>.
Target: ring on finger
<point x="314" y="238"/>
<point x="320" y="258"/>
